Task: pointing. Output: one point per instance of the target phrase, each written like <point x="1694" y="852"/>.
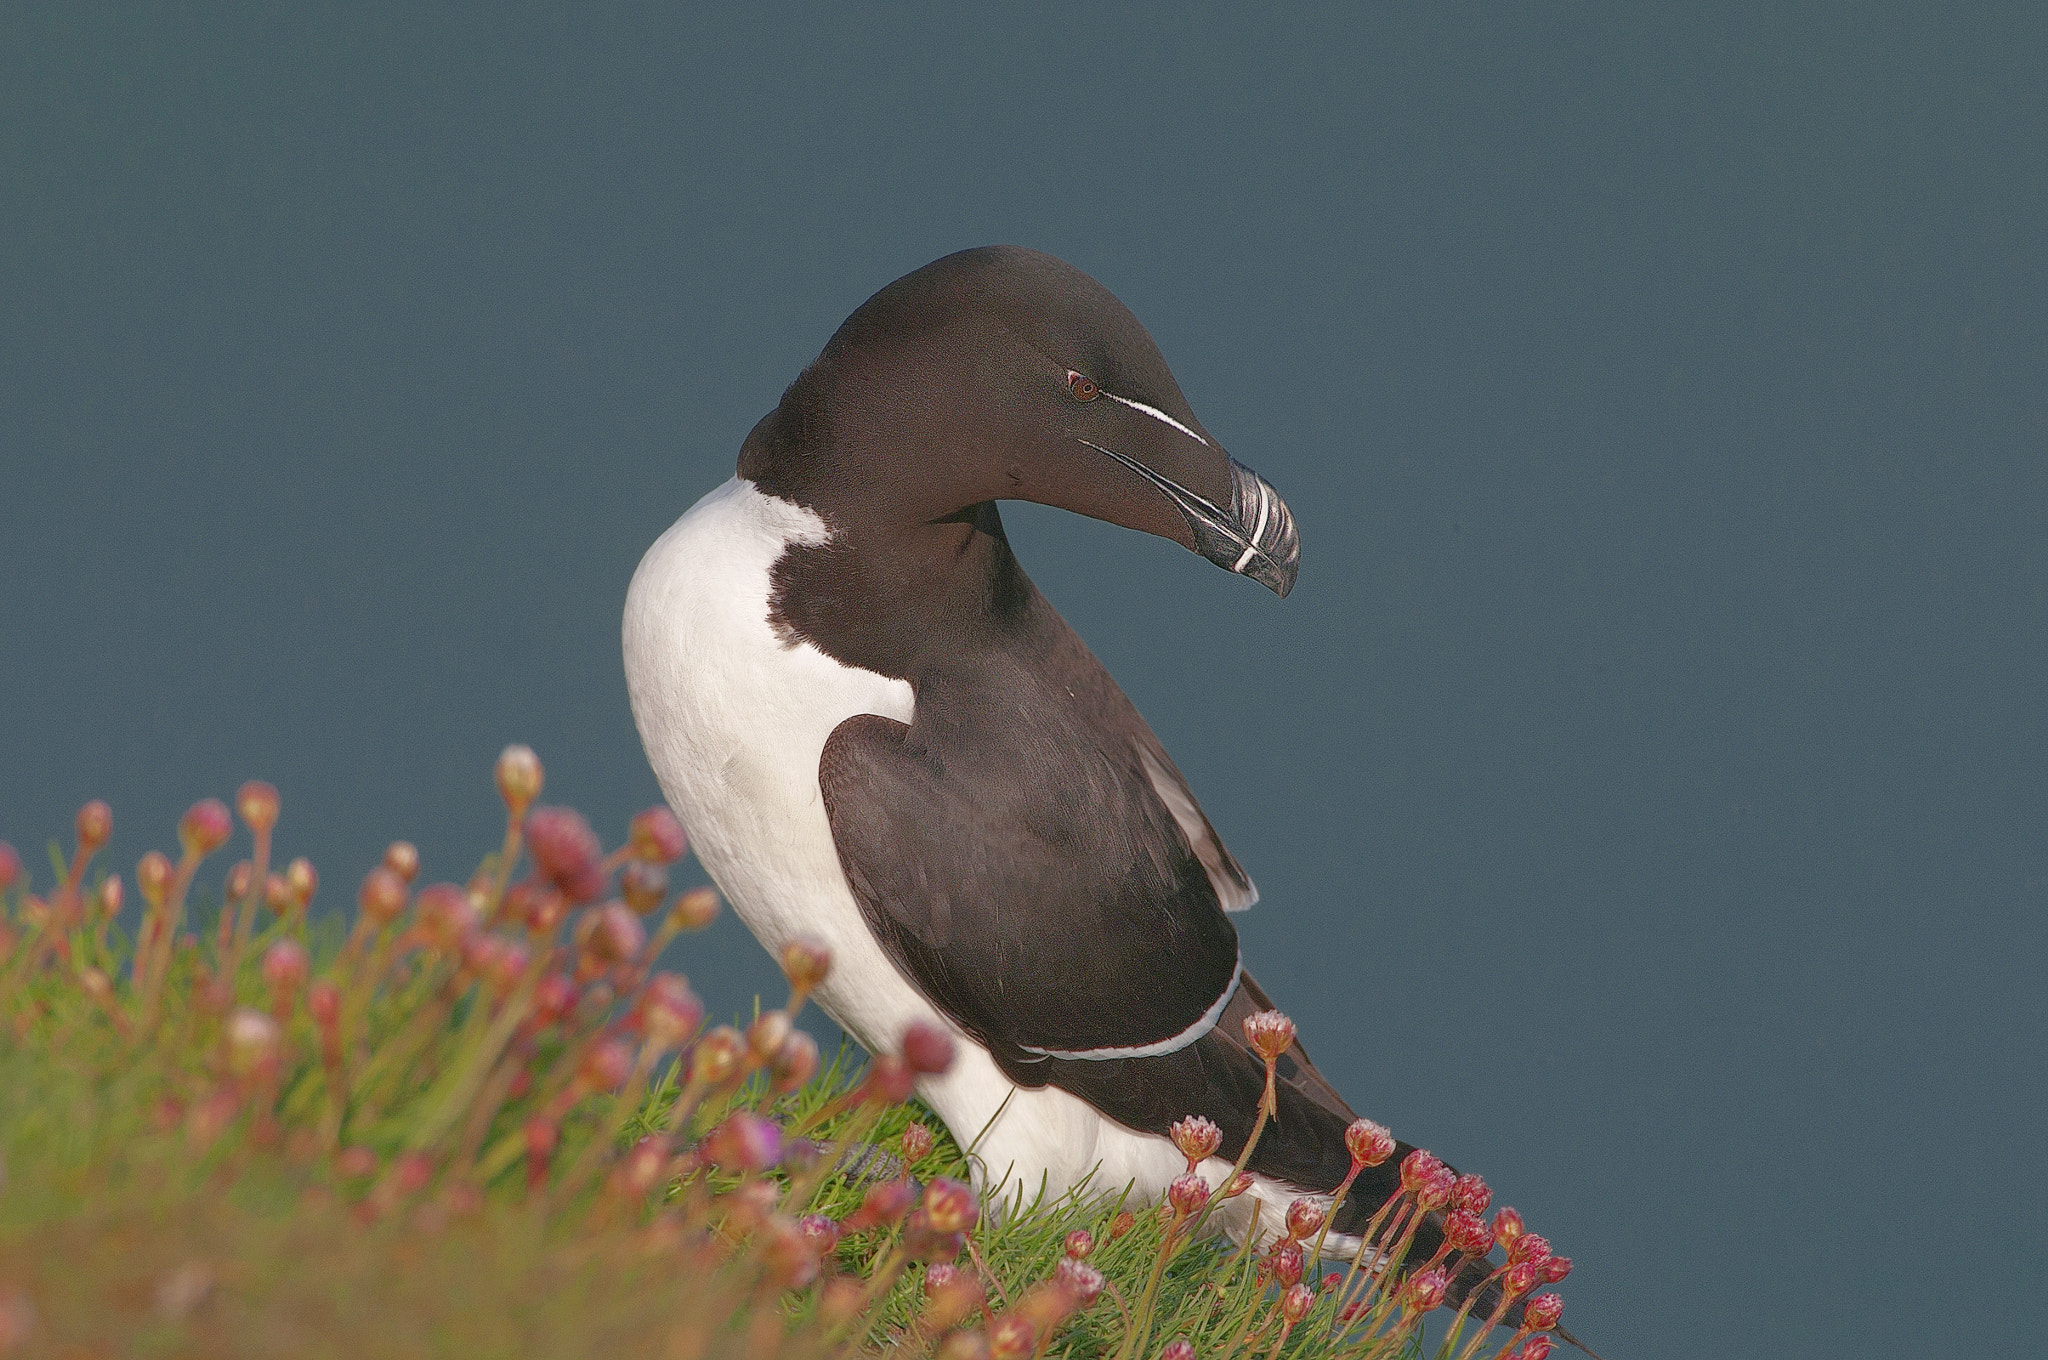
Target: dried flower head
<point x="205" y="827"/>
<point x="1124" y="1221"/>
<point x="656" y="836"/>
<point x="1196" y="1137"/>
<point x="1305" y="1216"/>
<point x="1269" y="1033"/>
<point x="257" y="803"/>
<point x="520" y="777"/>
<point x="1424" y="1290"/>
<point x="1187" y="1194"/>
<point x="1368" y="1143"/>
<point x="611" y="935"/>
<point x="1436" y="1191"/>
<point x="1529" y="1247"/>
<point x="1542" y="1311"/>
<point x="95" y="824"/>
<point x="1521" y="1277"/>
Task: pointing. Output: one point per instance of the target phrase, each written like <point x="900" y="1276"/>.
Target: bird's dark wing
<point x="1028" y="878"/>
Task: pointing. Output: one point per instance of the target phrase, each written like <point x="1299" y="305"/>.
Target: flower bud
<point x="965" y="1345"/>
<point x="1471" y="1192"/>
<point x="766" y="1035"/>
<point x="96" y="985"/>
<point x="1080" y="1279"/>
<point x="889" y="1079"/>
<point x="1533" y="1348"/>
<point x="612" y="935"/>
<point x="884" y="1203"/>
<point x="1507" y="1226"/>
<point x="253" y="1041"/>
<point x="1080" y="1242"/>
<point x="1522" y="1277"/>
<point x="284" y="971"/>
<point x="303" y="879"/>
<point x="1121" y="1224"/>
<point x="95" y="824"/>
<point x="1239" y="1183"/>
<point x="643" y="885"/>
<point x="323" y="1002"/>
<point x="10" y="866"/>
<point x="1269" y="1033"/>
<point x="205" y="827"/>
<point x="695" y="909"/>
<point x="110" y="897"/>
<point x="382" y="896"/>
<point x="553" y="997"/>
<point x="277" y="894"/>
<point x="607" y="1065"/>
<point x="1529" y="1247"/>
<point x="820" y="1232"/>
<point x="1368" y="1143"/>
<point x="1541" y="1313"/>
<point x="1424" y="1290"/>
<point x="1296" y="1302"/>
<point x="745" y="1144"/>
<point x="402" y="858"/>
<point x="566" y="851"/>
<point x="1180" y="1348"/>
<point x="917" y="1144"/>
<point x="716" y="1056"/>
<point x="1286" y="1263"/>
<point x="1417" y="1168"/>
<point x="927" y="1048"/>
<point x="1436" y="1192"/>
<point x="796" y="1062"/>
<point x="1012" y="1338"/>
<point x="806" y="962"/>
<point x="240" y="879"/>
<point x="1556" y="1268"/>
<point x="1467" y="1232"/>
<point x="256" y="801"/>
<point x="1196" y="1137"/>
<point x="952" y="1206"/>
<point x="656" y="837"/>
<point x="669" y="1011"/>
<point x="520" y="777"/>
<point x="446" y="916"/>
<point x="153" y="875"/>
<point x="1187" y="1193"/>
<point x="1304" y="1217"/>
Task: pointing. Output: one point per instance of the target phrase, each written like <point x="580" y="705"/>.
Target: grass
<point x="472" y="1120"/>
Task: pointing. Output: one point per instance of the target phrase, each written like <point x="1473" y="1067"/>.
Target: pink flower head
<point x="656" y="837"/>
<point x="1522" y="1277"/>
<point x="1239" y="1183"/>
<point x="1368" y="1143"/>
<point x="1187" y="1194"/>
<point x="1529" y="1247"/>
<point x="1269" y="1033"/>
<point x="1471" y="1193"/>
<point x="520" y="776"/>
<point x="695" y="909"/>
<point x="10" y="866"/>
<point x="446" y="916"/>
<point x="1304" y="1217"/>
<point x="795" y="1063"/>
<point x="566" y="851"/>
<point x="1296" y="1302"/>
<point x="1012" y="1337"/>
<point x="153" y="875"/>
<point x="643" y="885"/>
<point x="1541" y="1313"/>
<point x="1436" y="1192"/>
<point x="1080" y="1242"/>
<point x="786" y="1256"/>
<point x="884" y="1203"/>
<point x="1196" y="1137"/>
<point x="1537" y="1347"/>
<point x="403" y="858"/>
<point x="1467" y="1232"/>
<point x="607" y="1065"/>
<point x="716" y="1056"/>
<point x="1507" y="1226"/>
<point x="611" y="935"/>
<point x="96" y="823"/>
<point x="1417" y="1169"/>
<point x="1080" y="1279"/>
<point x="1285" y="1263"/>
<point x="669" y="1011"/>
<point x="1180" y="1348"/>
<point x="205" y="827"/>
<point x="323" y="1001"/>
<point x="940" y="1275"/>
<point x="927" y="1048"/>
<point x="1425" y="1290"/>
<point x="951" y="1205"/>
<point x="806" y="962"/>
<point x="821" y="1232"/>
<point x="303" y="880"/>
<point x="553" y="997"/>
<point x="917" y="1144"/>
<point x="256" y="801"/>
<point x="1556" y="1268"/>
<point x="745" y="1143"/>
<point x="381" y="898"/>
<point x="284" y="970"/>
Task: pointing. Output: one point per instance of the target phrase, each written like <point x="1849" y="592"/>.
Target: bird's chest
<point x="734" y="720"/>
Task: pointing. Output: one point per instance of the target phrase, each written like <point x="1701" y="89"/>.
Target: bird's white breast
<point x="734" y="720"/>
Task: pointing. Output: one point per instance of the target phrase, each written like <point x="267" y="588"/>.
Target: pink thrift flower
<point x="1187" y="1194"/>
<point x="1269" y="1033"/>
<point x="1424" y="1290"/>
<point x="1541" y="1313"/>
<point x="1368" y="1143"/>
<point x="1196" y="1137"/>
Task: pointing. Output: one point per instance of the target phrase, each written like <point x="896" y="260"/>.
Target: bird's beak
<point x="1253" y="536"/>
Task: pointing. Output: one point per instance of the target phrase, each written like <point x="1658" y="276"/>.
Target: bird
<point x="879" y="734"/>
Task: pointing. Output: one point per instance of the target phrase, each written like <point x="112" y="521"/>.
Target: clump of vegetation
<point x="478" y="1120"/>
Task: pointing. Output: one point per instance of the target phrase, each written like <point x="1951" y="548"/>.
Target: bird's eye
<point x="1084" y="389"/>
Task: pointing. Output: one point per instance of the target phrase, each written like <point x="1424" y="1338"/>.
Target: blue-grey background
<point x="1648" y="780"/>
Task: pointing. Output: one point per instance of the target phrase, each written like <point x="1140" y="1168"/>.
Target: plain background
<point x="1647" y="782"/>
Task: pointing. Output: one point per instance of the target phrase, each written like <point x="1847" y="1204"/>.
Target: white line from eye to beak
<point x="1156" y="414"/>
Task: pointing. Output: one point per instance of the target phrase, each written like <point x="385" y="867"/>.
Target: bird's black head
<point x="1004" y="374"/>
